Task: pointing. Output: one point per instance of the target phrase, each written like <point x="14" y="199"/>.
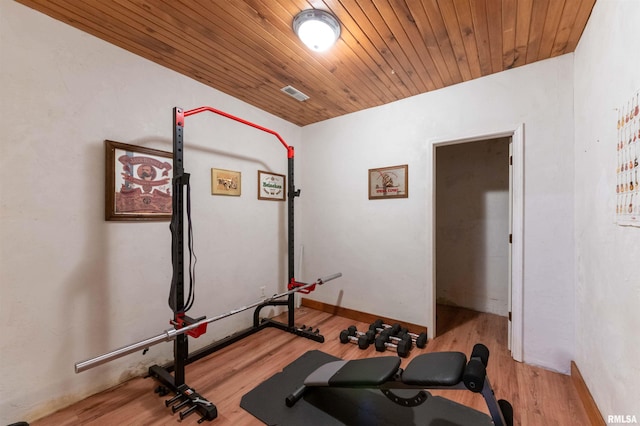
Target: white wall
<point x="383" y="247"/>
<point x="607" y="73"/>
<point x="74" y="286"/>
<point x="472" y="225"/>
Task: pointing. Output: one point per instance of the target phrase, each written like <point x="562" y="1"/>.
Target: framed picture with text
<point x="271" y="186"/>
<point x="389" y="182"/>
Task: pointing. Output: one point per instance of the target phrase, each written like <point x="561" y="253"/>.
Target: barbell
<point x="172" y="333"/>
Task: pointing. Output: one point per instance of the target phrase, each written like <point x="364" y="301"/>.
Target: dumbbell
<point x="379" y="326"/>
<point x="352" y="335"/>
<point x="402" y="347"/>
<point x="369" y="336"/>
<point x="419" y="339"/>
<point x="402" y="335"/>
<point x="391" y="331"/>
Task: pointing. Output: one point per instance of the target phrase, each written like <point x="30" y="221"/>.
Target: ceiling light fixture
<point x="318" y="29"/>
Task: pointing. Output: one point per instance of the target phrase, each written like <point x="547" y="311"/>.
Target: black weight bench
<point x="437" y="370"/>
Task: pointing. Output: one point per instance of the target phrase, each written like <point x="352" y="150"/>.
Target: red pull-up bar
<point x="180" y="121"/>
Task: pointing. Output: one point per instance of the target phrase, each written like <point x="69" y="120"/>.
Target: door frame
<point x="517" y="207"/>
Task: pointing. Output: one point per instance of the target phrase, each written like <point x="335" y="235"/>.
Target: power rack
<point x="186" y="398"/>
<point x="184" y="395"/>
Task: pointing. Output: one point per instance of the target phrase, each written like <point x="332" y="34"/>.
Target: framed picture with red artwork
<point x="137" y="183"/>
<point x="389" y="182"/>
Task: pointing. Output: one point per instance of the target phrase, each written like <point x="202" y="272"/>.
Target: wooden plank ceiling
<point x="388" y="49"/>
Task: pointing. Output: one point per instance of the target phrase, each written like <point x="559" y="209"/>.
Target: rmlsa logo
<point x="621" y="419"/>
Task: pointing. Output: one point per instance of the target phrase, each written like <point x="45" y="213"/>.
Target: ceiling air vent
<point x="295" y="93"/>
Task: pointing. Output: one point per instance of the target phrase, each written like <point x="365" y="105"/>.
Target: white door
<point x="510" y="236"/>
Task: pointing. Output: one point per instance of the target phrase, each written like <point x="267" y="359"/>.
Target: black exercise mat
<point x="339" y="406"/>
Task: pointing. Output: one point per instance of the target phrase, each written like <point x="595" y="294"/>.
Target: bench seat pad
<point x="368" y="372"/>
<point x="435" y="369"/>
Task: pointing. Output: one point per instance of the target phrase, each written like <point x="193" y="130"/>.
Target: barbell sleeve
<point x="125" y="350"/>
<point x="171" y="333"/>
<point x="329" y="278"/>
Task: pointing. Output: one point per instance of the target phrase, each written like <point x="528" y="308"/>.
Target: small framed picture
<point x="225" y="182"/>
<point x="389" y="182"/>
<point x="271" y="186"/>
<point x="137" y="183"/>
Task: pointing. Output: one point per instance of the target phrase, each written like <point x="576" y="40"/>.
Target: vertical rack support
<point x="176" y="295"/>
<point x="292" y="193"/>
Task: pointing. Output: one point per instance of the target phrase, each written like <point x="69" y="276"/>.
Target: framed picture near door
<point x="389" y="182"/>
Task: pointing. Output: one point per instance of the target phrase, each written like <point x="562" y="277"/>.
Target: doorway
<point x="477" y="186"/>
<point x="473" y="225"/>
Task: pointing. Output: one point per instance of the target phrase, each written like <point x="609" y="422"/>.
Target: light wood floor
<point x="538" y="396"/>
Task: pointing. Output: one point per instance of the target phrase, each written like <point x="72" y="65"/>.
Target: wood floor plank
<point x="538" y="396"/>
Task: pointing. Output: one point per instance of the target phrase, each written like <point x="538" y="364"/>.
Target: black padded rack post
<point x="186" y="396"/>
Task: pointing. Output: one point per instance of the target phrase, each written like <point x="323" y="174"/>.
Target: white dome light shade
<point x="317" y="29"/>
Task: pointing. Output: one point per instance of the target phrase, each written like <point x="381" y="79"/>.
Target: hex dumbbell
<point x="402" y="335"/>
<point x="379" y="326"/>
<point x="352" y="335"/>
<point x="369" y="335"/>
<point x="420" y="340"/>
<point x="402" y="345"/>
<point x="390" y="331"/>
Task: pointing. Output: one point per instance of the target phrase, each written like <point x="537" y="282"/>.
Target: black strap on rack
<point x="184" y="395"/>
